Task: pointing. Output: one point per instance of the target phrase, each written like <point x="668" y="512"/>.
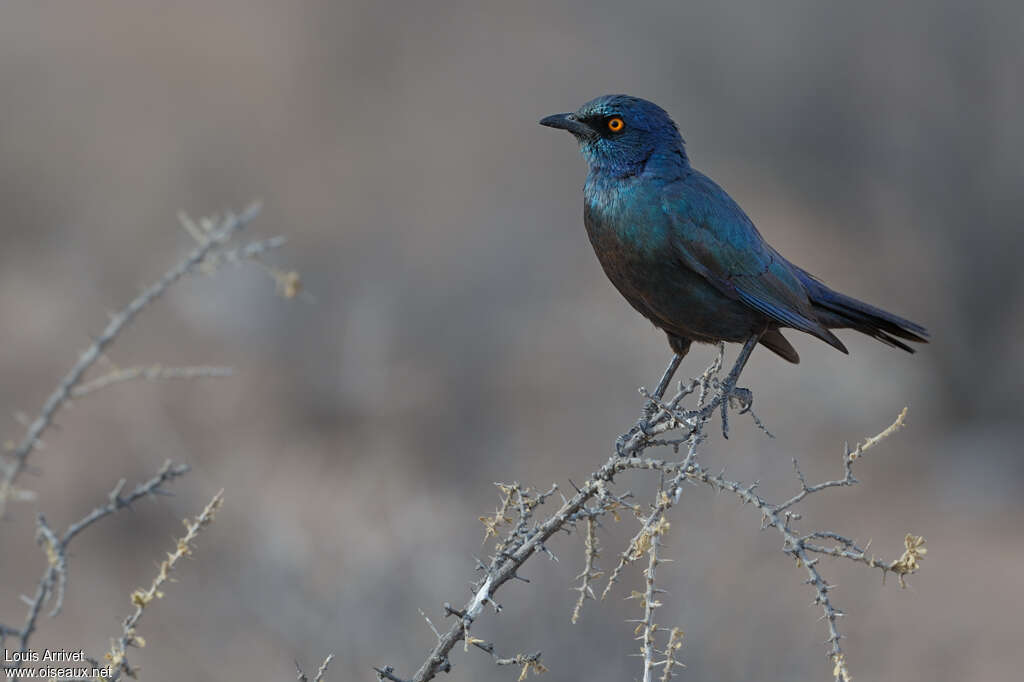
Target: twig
<point x="319" y="673"/>
<point x="524" y="537"/>
<point x="590" y="572"/>
<point x="149" y="373"/>
<point x="53" y="582"/>
<point x="527" y="662"/>
<point x="388" y="673"/>
<point x="776" y="516"/>
<point x="142" y="597"/>
<point x="647" y="627"/>
<point x="209" y="240"/>
<point x="675" y="641"/>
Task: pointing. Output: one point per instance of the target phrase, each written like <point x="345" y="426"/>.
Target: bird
<point x="685" y="255"/>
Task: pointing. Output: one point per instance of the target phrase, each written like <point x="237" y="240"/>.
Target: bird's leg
<point x="729" y="389"/>
<point x="652" y="405"/>
<point x="666" y="379"/>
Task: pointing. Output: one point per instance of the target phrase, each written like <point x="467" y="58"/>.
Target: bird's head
<point x="620" y="135"/>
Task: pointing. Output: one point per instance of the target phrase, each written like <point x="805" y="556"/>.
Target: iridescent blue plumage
<point x="684" y="254"/>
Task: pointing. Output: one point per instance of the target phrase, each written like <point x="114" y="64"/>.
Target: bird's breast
<point x="631" y="235"/>
<point x="624" y="217"/>
<point x="628" y="240"/>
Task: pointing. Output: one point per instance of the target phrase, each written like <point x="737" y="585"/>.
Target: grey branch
<point x="525" y="537"/>
<point x="521" y="543"/>
<point x="143" y="597"/>
<point x="590" y="572"/>
<point x="149" y="373"/>
<point x="209" y="241"/>
<point x="647" y="625"/>
<point x="301" y="677"/>
<point x="244" y="254"/>
<point x="212" y="237"/>
<point x="54" y="579"/>
<point x="527" y="662"/>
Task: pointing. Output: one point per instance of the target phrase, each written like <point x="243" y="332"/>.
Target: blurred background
<point x="460" y="331"/>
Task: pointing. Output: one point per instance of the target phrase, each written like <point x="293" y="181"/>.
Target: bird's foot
<point x="642" y="428"/>
<point x="737" y="398"/>
<point x="742" y="398"/>
<point x="620" y="443"/>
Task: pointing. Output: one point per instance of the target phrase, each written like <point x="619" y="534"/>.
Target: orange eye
<point x="616" y="124"/>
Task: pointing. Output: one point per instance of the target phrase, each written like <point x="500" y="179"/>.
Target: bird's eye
<point x="615" y="124"/>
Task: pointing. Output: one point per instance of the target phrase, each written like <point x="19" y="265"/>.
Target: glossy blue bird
<point x="686" y="256"/>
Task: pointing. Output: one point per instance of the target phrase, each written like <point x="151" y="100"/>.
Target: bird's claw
<point x="742" y="398"/>
<point x="620" y="442"/>
<point x="735" y="397"/>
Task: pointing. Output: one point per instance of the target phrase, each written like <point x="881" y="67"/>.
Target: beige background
<point x="463" y="333"/>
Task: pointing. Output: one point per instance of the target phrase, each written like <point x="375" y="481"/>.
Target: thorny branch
<point x="211" y="237"/>
<point x="53" y="582"/>
<point x="646" y="629"/>
<point x="595" y="498"/>
<point x="142" y="597"/>
<point x="301" y="676"/>
<point x="148" y="373"/>
<point x="590" y="573"/>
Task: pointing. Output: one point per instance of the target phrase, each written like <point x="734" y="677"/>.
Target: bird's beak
<point x="568" y="122"/>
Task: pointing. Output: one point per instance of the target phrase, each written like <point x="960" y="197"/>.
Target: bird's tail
<point x="839" y="311"/>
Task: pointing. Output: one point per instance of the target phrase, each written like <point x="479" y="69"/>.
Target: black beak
<point x="568" y="122"/>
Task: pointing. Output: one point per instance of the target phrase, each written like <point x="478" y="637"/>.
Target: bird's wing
<point x="714" y="237"/>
